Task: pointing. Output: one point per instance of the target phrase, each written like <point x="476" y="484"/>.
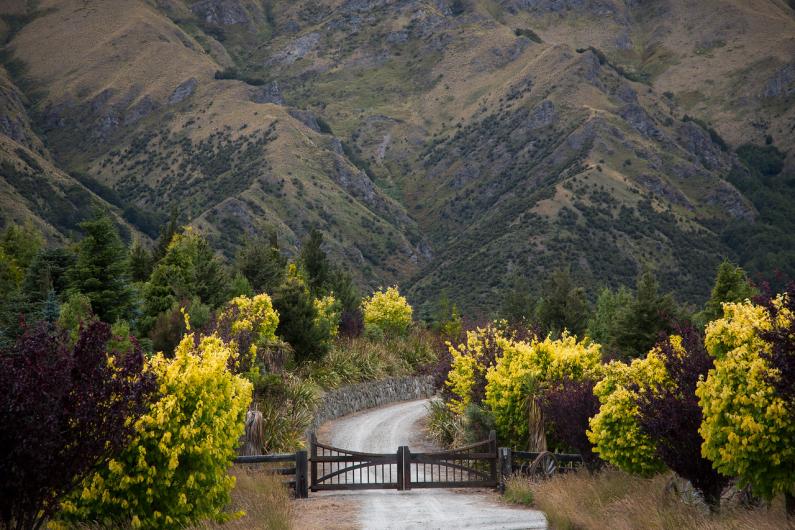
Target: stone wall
<point x="353" y="398"/>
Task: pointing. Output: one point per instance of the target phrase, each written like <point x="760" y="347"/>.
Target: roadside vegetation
<point x="138" y="367"/>
<point x="642" y="387"/>
<point x="614" y="499"/>
<point x="128" y="372"/>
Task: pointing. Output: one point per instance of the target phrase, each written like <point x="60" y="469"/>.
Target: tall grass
<point x="613" y="500"/>
<point x="262" y="497"/>
<point x="355" y="360"/>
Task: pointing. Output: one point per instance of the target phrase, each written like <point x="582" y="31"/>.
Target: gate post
<point x="313" y="453"/>
<point x="406" y="467"/>
<point x="301" y="487"/>
<point x="506" y="469"/>
<point x="400" y="468"/>
<point x="494" y="457"/>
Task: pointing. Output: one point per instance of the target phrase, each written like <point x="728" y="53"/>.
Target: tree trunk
<point x="537" y="439"/>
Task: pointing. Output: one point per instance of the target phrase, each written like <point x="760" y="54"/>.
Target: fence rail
<point x="299" y="469"/>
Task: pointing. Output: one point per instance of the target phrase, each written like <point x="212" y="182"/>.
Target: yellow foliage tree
<point x="615" y="431"/>
<point x="748" y="429"/>
<point x="387" y="311"/>
<point x="524" y="368"/>
<point x="174" y="471"/>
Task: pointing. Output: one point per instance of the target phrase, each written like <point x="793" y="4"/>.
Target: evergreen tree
<point x="167" y="233"/>
<point x="101" y="270"/>
<point x="602" y="324"/>
<point x="731" y="285"/>
<point x="47" y="272"/>
<point x="141" y="262"/>
<point x="345" y="291"/>
<point x="517" y="305"/>
<point x="21" y="243"/>
<point x="262" y="263"/>
<point x="189" y="269"/>
<point x="562" y="306"/>
<point x="316" y="264"/>
<point x="298" y="319"/>
<point x="640" y="324"/>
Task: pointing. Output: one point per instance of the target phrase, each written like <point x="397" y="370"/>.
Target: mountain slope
<point x="442" y="144"/>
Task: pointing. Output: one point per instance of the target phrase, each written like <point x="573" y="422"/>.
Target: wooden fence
<point x="296" y="470"/>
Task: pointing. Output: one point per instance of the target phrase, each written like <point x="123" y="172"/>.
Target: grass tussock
<point x="360" y="359"/>
<point x="613" y="500"/>
<point x="262" y="497"/>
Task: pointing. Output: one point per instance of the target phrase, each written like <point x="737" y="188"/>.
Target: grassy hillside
<point x="445" y="145"/>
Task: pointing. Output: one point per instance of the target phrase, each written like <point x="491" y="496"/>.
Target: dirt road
<point x="385" y="429"/>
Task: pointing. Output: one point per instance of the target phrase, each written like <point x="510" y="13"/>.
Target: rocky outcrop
<point x="782" y="83"/>
<point x="221" y="12"/>
<point x="183" y="91"/>
<point x="353" y="398"/>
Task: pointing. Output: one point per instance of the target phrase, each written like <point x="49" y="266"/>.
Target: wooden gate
<point x="471" y="466"/>
<point x="334" y="468"/>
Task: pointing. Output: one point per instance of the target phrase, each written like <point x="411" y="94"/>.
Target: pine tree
<point x="101" y="270"/>
<point x="731" y="285"/>
<point x="640" y="324"/>
<point x="298" y="319"/>
<point x="262" y="263"/>
<point x="189" y="269"/>
<point x="167" y="233"/>
<point x="141" y="262"/>
<point x="609" y="304"/>
<point x="316" y="264"/>
<point x="562" y="306"/>
<point x="517" y="305"/>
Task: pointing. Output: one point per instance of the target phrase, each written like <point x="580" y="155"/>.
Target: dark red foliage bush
<point x="673" y="416"/>
<point x="63" y="411"/>
<point x="781" y="354"/>
<point x="567" y="408"/>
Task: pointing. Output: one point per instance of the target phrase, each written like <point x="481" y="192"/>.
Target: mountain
<point x="445" y="144"/>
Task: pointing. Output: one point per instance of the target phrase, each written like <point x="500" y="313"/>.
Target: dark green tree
<point x="298" y="322"/>
<point x="262" y="263"/>
<point x="101" y="270"/>
<point x="640" y="324"/>
<point x="315" y="264"/>
<point x="21" y="243"/>
<point x="167" y="233"/>
<point x="189" y="270"/>
<point x="731" y="285"/>
<point x="602" y="324"/>
<point x="562" y="305"/>
<point x="518" y="305"/>
<point x="141" y="262"/>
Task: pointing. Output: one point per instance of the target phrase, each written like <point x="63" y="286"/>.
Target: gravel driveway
<point x="383" y="430"/>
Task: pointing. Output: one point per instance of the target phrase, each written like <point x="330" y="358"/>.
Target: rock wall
<point x="353" y="398"/>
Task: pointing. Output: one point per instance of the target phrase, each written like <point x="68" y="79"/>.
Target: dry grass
<point x="264" y="499"/>
<point x="613" y="500"/>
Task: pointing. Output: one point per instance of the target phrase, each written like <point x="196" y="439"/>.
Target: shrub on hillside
<point x="386" y="311"/>
<point x="65" y="408"/>
<point x="174" y="470"/>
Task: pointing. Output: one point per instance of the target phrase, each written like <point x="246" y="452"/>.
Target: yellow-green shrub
<point x="615" y="431"/>
<point x="748" y="431"/>
<point x="524" y="368"/>
<point x="470" y="361"/>
<point x="174" y="471"/>
<point x="329" y="312"/>
<point x="248" y="324"/>
<point x="387" y="311"/>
